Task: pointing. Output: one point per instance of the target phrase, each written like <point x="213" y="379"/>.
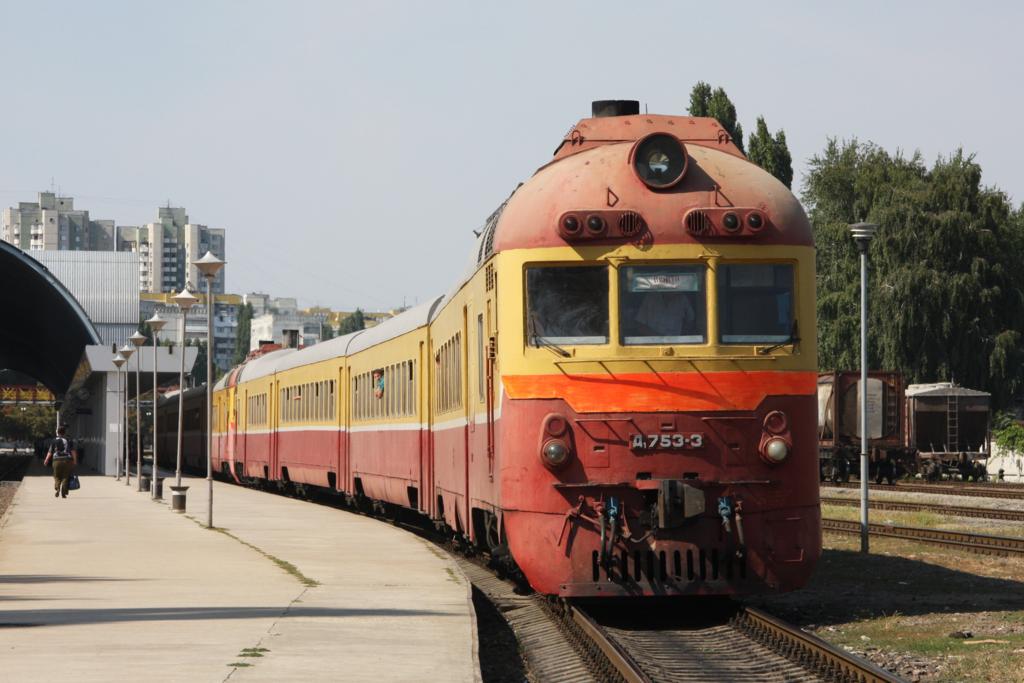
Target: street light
<point x="209" y="266"/>
<point x="184" y="300"/>
<point x="862" y="234"/>
<point x="156" y="323"/>
<point x="137" y="341"/>
<point x="127" y="351"/>
<point x="118" y="361"/>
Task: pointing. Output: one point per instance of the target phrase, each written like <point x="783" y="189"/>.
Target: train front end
<point x="658" y="367"/>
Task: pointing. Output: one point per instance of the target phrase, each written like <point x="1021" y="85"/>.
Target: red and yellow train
<point x="616" y="398"/>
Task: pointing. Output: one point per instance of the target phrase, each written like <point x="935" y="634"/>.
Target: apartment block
<point x="168" y="246"/>
<point x="52" y="223"/>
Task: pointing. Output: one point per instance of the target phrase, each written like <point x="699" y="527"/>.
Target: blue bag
<point x="73" y="483"/>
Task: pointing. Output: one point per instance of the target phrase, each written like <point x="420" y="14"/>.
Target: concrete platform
<point x="108" y="585"/>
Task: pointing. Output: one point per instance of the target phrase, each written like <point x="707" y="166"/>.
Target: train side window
<point x="480" y="356"/>
<point x="357" y="397"/>
<point x="755" y="303"/>
<point x="567" y="305"/>
<point x="662" y="305"/>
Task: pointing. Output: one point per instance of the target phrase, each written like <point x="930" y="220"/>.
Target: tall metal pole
<point x="127" y="434"/>
<point x="862" y="234"/>
<point x="864" y="399"/>
<point x="181" y="398"/>
<point x="138" y="423"/>
<point x="209" y="401"/>
<point x="137" y="341"/>
<point x="209" y="266"/>
<point x="152" y="478"/>
<point x="120" y="422"/>
<point x="156" y="323"/>
<point x="118" y="362"/>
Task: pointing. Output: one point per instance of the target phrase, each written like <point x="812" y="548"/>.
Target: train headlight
<point x="555" y="454"/>
<point x="776" y="450"/>
<point x="659" y="161"/>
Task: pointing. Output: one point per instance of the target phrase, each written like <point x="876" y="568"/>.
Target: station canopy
<point x="44" y="329"/>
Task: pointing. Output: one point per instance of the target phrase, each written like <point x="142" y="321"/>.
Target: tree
<point x="352" y="323"/>
<point x="715" y="103"/>
<point x="242" y="333"/>
<point x="947" y="278"/>
<point x="27" y="422"/>
<point x="326" y="331"/>
<point x="198" y="373"/>
<point x="771" y="153"/>
<point x="1011" y="438"/>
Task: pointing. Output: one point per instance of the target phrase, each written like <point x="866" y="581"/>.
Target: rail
<point x="977" y="491"/>
<point x="978" y="543"/>
<point x="954" y="510"/>
<point x="727" y="649"/>
<point x="809" y="650"/>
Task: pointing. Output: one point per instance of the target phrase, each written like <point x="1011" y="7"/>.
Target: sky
<point x="350" y="148"/>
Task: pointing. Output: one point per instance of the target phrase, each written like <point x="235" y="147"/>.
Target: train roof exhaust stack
<point x="602" y="108"/>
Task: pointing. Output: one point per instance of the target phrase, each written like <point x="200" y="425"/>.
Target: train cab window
<point x="662" y="305"/>
<point x="755" y="303"/>
<point x="567" y="305"/>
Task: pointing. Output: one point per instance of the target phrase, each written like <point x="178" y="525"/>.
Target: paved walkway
<point x="108" y="585"/>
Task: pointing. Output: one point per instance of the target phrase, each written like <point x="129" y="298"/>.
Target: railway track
<point x="977" y="543"/>
<point x="745" y="645"/>
<point x="977" y="490"/>
<point x="561" y="642"/>
<point x="953" y="510"/>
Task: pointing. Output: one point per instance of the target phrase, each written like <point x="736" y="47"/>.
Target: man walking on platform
<point x="65" y="458"/>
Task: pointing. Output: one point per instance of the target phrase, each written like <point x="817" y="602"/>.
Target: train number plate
<point x="665" y="441"/>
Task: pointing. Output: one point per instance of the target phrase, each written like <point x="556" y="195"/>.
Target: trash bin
<point x="144" y="482"/>
<point x="159" y="488"/>
<point x="178" y="498"/>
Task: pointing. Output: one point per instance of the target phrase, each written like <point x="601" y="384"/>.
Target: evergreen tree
<point x="771" y="153"/>
<point x="716" y="103"/>
<point x="352" y="323"/>
<point x="326" y="331"/>
<point x="946" y="289"/>
<point x="198" y="373"/>
<point x="242" y="334"/>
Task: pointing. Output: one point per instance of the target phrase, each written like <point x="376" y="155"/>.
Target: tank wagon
<point x="839" y="425"/>
<point x="614" y="399"/>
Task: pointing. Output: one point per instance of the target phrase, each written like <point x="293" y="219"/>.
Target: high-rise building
<point x="54" y="224"/>
<point x="168" y="246"/>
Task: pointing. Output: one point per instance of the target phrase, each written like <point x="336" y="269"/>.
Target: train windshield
<point x="662" y="305"/>
<point x="755" y="303"/>
<point x="567" y="305"/>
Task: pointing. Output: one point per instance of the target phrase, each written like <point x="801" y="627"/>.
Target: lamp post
<point x="118" y="361"/>
<point x="862" y="234"/>
<point x="184" y="300"/>
<point x="209" y="266"/>
<point x="127" y="351"/>
<point x="137" y="341"/>
<point x="156" y="323"/>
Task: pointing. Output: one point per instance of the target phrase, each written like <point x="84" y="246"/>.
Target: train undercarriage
<point x="842" y="464"/>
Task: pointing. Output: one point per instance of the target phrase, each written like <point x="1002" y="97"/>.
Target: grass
<point x="283" y="564"/>
<point x="927" y="520"/>
<point x="909" y="598"/>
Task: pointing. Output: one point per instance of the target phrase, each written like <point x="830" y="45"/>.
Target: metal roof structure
<point x="942" y="389"/>
<point x="45" y="329"/>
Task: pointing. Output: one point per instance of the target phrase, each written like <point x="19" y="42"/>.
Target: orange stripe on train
<point x="664" y="391"/>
